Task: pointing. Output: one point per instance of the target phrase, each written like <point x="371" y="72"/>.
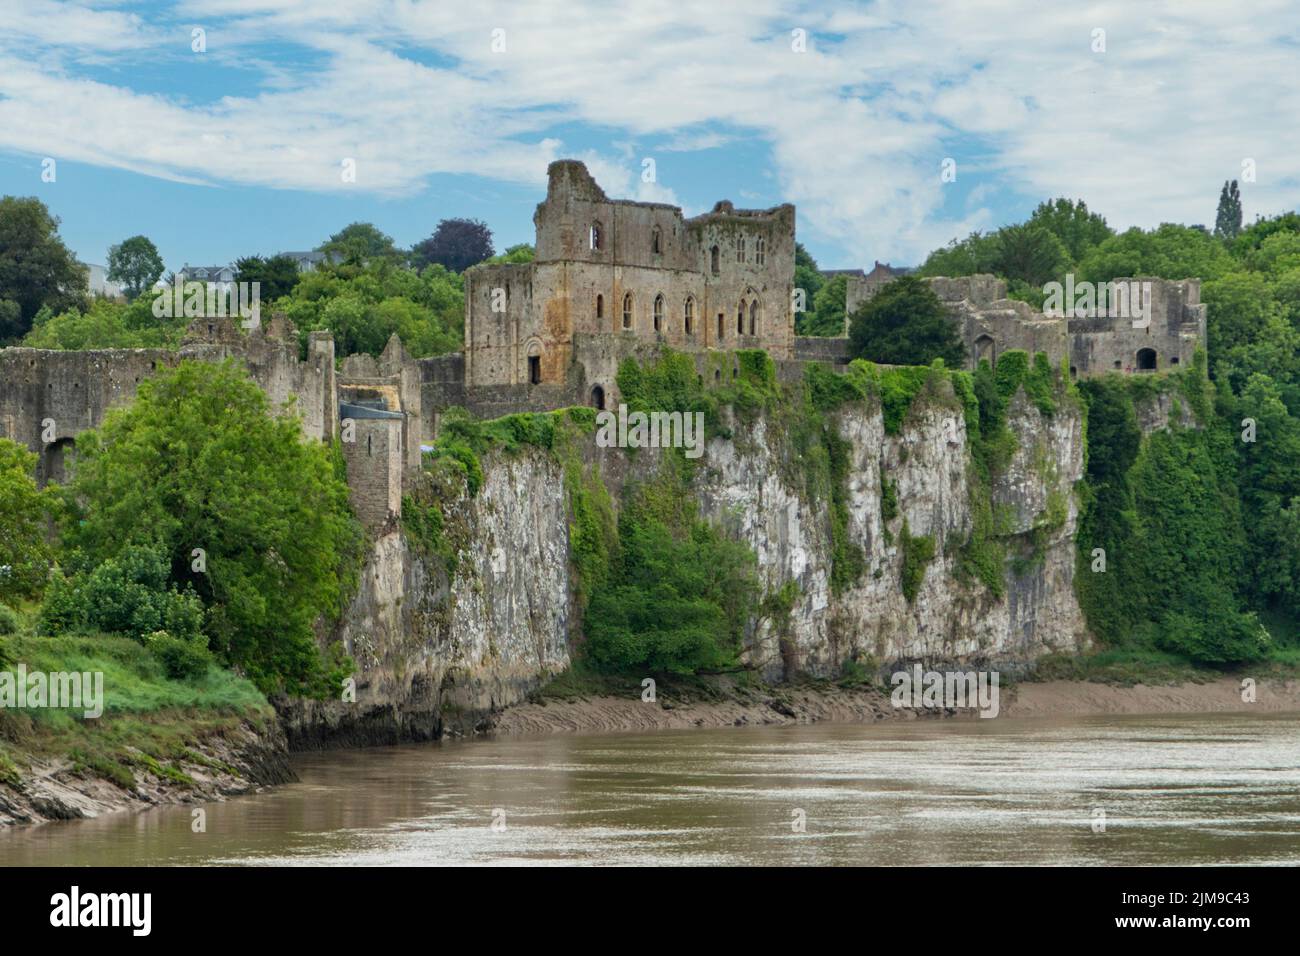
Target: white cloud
<point x="856" y="127"/>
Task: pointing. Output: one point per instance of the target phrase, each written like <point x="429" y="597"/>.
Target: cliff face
<point x="438" y="651"/>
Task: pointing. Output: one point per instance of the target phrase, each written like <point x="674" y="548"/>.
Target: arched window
<point x="1146" y="360"/>
<point x="598" y="397"/>
<point x="713" y="260"/>
<point x="627" y="310"/>
<point x="740" y="318"/>
<point x="655" y="244"/>
<point x="688" y="314"/>
<point x="659" y="313"/>
<point x="753" y="317"/>
<point x="760" y="250"/>
<point x="534" y="363"/>
<point x="600" y="306"/>
<point x="740" y="249"/>
<point x="597" y="237"/>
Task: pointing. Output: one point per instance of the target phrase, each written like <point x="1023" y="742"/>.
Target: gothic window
<point x="740" y="249"/>
<point x="753" y="317"/>
<point x="713" y="260"/>
<point x="760" y="250"/>
<point x="688" y="314"/>
<point x="627" y="311"/>
<point x="597" y="237"/>
<point x="659" y="313"/>
<point x="740" y="318"/>
<point x="655" y="245"/>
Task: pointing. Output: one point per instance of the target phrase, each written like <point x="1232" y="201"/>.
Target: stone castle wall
<point x="990" y="323"/>
<point x="627" y="272"/>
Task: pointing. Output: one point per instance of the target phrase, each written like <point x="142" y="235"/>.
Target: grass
<point x="150" y="721"/>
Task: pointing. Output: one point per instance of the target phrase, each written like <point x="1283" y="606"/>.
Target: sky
<point x="223" y="128"/>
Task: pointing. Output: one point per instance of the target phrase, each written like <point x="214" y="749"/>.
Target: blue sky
<point x="846" y="110"/>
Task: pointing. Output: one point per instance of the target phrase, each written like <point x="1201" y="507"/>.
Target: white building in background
<point x="97" y="281"/>
<point x="306" y="261"/>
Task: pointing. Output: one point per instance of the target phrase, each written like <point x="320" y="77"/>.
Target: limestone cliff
<point x="444" y="637"/>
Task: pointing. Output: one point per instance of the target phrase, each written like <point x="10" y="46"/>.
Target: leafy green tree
<point x="808" y="278"/>
<point x="456" y="244"/>
<point x="36" y="268"/>
<point x="516" y="254"/>
<point x="276" y="276"/>
<point x="905" y="324"/>
<point x="106" y="325"/>
<point x="361" y="244"/>
<point x="135" y="264"/>
<point x="130" y="593"/>
<point x="679" y="594"/>
<point x="1070" y="221"/>
<point x="364" y="306"/>
<point x="974" y="255"/>
<point x="200" y="461"/>
<point x="25" y="556"/>
<point x="1168" y="252"/>
<point x="1227" y="220"/>
<point x="827" y="315"/>
<point x="1029" y="254"/>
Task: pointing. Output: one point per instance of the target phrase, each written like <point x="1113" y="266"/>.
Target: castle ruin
<point x="612" y="279"/>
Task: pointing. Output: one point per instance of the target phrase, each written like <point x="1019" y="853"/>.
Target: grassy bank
<point x="151" y="723"/>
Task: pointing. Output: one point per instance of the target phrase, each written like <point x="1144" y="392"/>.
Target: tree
<point x="359" y="244"/>
<point x="827" y="315"/>
<point x="905" y="324"/>
<point x="456" y="244"/>
<point x="276" y="276"/>
<point x="1071" y="222"/>
<point x="679" y="593"/>
<point x="1029" y="254"/>
<point x="970" y="256"/>
<point x="136" y="264"/>
<point x="807" y="277"/>
<point x="201" y="461"/>
<point x="516" y="254"/>
<point x="36" y="268"/>
<point x="1169" y="251"/>
<point x="25" y="557"/>
<point x="1227" y="221"/>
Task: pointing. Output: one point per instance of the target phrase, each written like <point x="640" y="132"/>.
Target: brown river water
<point x="1220" y="789"/>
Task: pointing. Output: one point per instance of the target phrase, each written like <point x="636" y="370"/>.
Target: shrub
<point x="182" y="658"/>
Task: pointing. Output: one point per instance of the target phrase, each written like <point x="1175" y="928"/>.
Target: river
<point x="1218" y="789"/>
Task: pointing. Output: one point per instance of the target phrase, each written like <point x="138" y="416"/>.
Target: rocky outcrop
<point x="216" y="765"/>
<point x="440" y="649"/>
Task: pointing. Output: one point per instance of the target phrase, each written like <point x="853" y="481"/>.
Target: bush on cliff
<point x="248" y="514"/>
<point x="905" y="324"/>
<point x="679" y="593"/>
<point x="24" y="553"/>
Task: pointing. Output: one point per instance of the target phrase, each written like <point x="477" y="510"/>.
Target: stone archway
<point x="984" y="349"/>
<point x="1146" y="360"/>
